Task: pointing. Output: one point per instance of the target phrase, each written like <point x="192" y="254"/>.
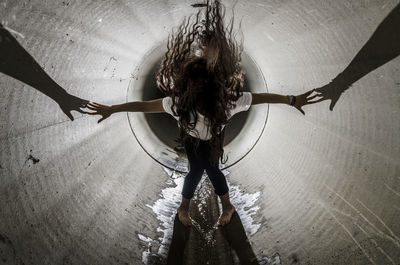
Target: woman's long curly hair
<point x="201" y="71"/>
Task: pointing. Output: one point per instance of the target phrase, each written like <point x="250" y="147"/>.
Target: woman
<point x="202" y="79"/>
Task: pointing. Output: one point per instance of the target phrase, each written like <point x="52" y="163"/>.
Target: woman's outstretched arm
<point x="296" y="101"/>
<point x="135" y="106"/>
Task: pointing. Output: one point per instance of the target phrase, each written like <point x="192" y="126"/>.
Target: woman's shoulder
<point x="243" y="103"/>
<point x="167" y="104"/>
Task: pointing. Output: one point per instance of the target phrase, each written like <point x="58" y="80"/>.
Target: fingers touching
<point x="77" y="104"/>
<point x="98" y="109"/>
<point x="93" y="105"/>
<point x="309" y="100"/>
<point x="96" y="105"/>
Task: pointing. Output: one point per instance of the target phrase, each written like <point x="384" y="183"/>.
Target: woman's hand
<point x="305" y="99"/>
<point x="103" y="110"/>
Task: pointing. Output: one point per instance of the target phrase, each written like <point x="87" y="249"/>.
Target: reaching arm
<point x="16" y="62"/>
<point x="154" y="105"/>
<point x="135" y="106"/>
<point x="298" y="101"/>
<point x="260" y="98"/>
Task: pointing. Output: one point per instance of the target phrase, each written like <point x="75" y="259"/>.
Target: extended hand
<point x="332" y="91"/>
<point x="70" y="103"/>
<point x="103" y="110"/>
<point x="304" y="99"/>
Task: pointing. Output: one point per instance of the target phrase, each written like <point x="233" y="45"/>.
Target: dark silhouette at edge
<point x="16" y="62"/>
<point x="382" y="47"/>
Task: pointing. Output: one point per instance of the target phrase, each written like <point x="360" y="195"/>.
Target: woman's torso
<point x="201" y="129"/>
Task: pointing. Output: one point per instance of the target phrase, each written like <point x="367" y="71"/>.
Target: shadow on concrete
<point x="179" y="241"/>
<point x="382" y="47"/>
<point x="16" y="62"/>
<point x="233" y="233"/>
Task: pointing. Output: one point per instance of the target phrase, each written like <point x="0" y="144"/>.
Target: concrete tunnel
<point x="323" y="188"/>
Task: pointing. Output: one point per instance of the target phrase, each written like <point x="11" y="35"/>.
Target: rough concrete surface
<point x="78" y="192"/>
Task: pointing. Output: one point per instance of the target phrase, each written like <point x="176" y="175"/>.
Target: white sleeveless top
<point x="200" y="131"/>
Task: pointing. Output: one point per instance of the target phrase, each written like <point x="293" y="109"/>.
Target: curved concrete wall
<point x="77" y="192"/>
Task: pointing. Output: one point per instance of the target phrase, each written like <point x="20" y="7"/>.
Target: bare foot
<point x="183" y="216"/>
<point x="226" y="215"/>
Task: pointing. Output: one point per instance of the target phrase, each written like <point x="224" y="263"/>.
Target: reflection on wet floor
<point x="204" y="242"/>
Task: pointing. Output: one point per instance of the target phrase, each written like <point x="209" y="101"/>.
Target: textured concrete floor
<point x="76" y="192"/>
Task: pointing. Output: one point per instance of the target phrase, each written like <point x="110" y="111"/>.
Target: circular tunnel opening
<point x="157" y="133"/>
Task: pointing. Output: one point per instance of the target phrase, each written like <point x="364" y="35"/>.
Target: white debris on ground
<point x="246" y="205"/>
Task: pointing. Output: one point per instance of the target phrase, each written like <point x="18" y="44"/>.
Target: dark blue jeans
<point x="198" y="162"/>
